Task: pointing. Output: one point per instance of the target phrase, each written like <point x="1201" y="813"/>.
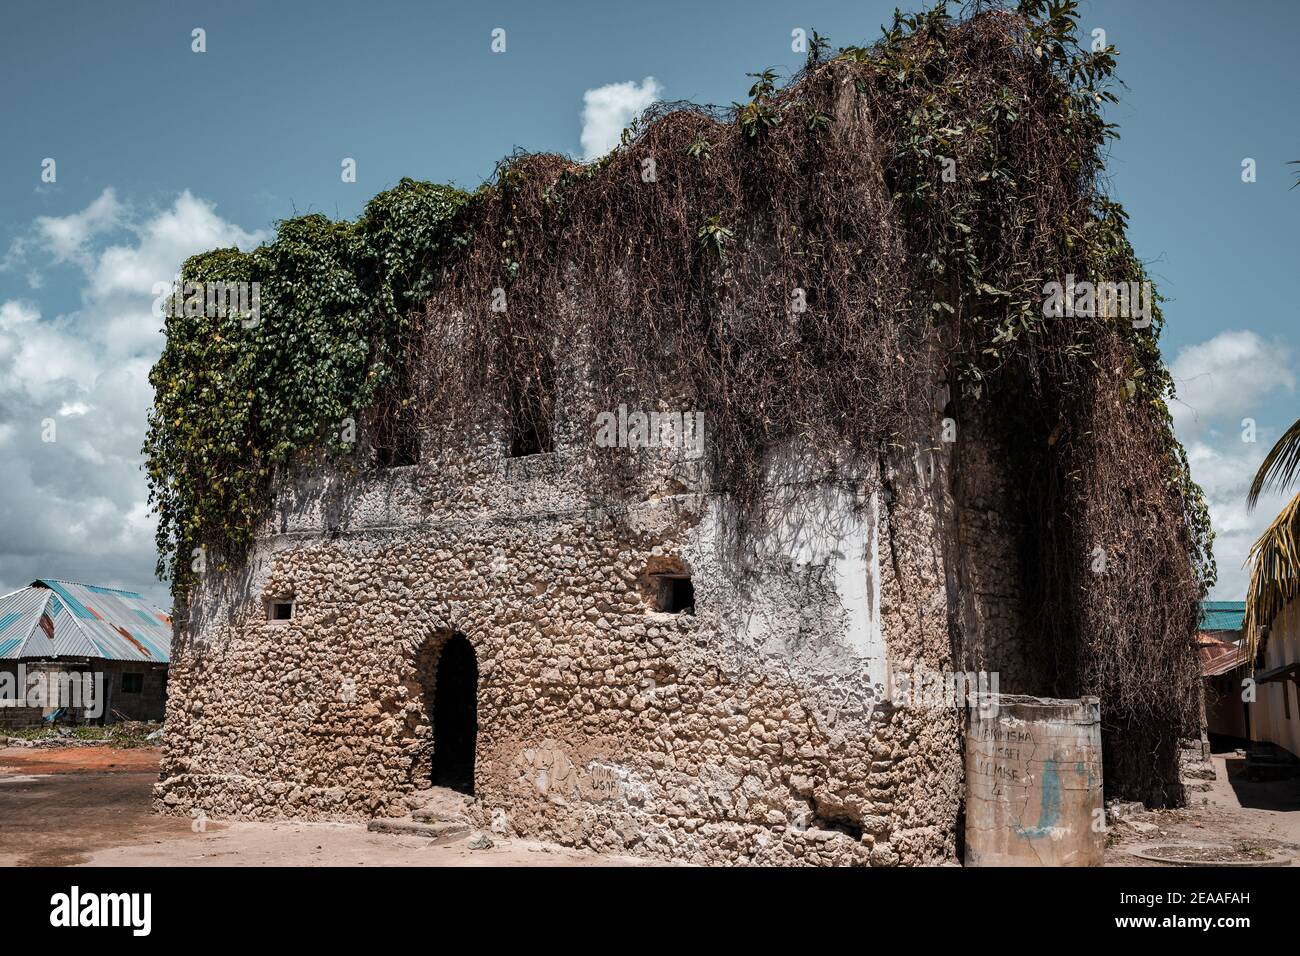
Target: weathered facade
<point x="763" y="724"/>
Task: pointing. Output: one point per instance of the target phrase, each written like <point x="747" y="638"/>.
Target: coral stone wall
<point x="760" y="728"/>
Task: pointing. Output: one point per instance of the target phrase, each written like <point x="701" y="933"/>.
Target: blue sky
<point x="161" y="151"/>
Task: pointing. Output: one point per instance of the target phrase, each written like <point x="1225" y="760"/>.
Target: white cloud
<point x="76" y="507"/>
<point x="607" y="110"/>
<point x="1220" y="382"/>
<point x="66" y="237"/>
<point x="1228" y="378"/>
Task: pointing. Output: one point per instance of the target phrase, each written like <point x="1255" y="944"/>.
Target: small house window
<point x="676" y="594"/>
<point x="529" y="440"/>
<point x="281" y="610"/>
<point x="132" y="683"/>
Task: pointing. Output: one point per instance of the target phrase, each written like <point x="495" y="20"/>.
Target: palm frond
<point x="1279" y="467"/>
<point x="1274" y="574"/>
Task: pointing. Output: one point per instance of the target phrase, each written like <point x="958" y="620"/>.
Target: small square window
<point x="530" y="438"/>
<point x="676" y="595"/>
<point x="281" y="610"/>
<point x="132" y="683"/>
<point x="399" y="450"/>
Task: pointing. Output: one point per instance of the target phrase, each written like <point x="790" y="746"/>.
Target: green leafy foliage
<point x="716" y="236"/>
<point x="234" y="400"/>
<point x="761" y="113"/>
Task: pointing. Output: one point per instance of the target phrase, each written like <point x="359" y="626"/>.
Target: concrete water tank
<point x="1033" y="782"/>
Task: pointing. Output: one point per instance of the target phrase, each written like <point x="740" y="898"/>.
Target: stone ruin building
<point x="600" y="677"/>
<point x="609" y="670"/>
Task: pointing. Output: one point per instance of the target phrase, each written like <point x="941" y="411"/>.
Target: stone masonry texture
<point x="759" y="729"/>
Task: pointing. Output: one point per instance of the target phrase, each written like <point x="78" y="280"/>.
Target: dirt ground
<point x="90" y="806"/>
<point x="1255" y="820"/>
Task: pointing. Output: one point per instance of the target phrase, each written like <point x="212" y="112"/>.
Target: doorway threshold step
<point x="440" y="832"/>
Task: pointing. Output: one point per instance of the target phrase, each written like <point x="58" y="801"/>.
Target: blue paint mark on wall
<point x="1049" y="815"/>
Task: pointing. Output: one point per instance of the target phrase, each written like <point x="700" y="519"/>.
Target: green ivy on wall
<point x="237" y="396"/>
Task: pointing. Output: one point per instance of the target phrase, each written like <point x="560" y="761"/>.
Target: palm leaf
<point x="1275" y="573"/>
<point x="1279" y="467"/>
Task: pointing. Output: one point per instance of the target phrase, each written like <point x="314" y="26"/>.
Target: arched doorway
<point x="455" y="715"/>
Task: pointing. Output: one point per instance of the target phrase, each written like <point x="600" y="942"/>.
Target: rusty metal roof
<point x="64" y="619"/>
<point x="1219" y="656"/>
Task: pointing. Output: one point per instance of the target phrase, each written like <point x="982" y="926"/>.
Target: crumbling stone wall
<point x="758" y="729"/>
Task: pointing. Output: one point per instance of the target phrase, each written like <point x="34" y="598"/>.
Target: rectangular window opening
<point x="404" y="450"/>
<point x="531" y="408"/>
<point x="676" y="594"/>
<point x="528" y="438"/>
<point x="281" y="610"/>
<point x="397" y="435"/>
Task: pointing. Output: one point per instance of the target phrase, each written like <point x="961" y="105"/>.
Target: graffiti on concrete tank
<point x="1049" y="814"/>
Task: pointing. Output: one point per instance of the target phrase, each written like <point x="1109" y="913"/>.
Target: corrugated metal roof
<point x="1222" y="615"/>
<point x="65" y="619"/>
<point x="1220" y="657"/>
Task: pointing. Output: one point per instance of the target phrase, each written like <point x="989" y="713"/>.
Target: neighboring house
<point x="81" y="654"/>
<point x="1224" y="658"/>
<point x="1275" y="715"/>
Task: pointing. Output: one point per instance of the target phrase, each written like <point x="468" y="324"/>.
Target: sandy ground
<point x="1235" y="811"/>
<point x="90" y="806"/>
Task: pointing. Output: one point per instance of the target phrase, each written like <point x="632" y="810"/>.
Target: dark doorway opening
<point x="455" y="716"/>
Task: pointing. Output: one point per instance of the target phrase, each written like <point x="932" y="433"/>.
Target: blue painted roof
<point x="1222" y="615"/>
<point x="66" y="619"/>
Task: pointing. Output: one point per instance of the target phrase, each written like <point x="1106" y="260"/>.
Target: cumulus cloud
<point x="1230" y="377"/>
<point x="607" y="110"/>
<point x="1235" y="376"/>
<point x="122" y="276"/>
<point x="74" y="392"/>
<point x="67" y="237"/>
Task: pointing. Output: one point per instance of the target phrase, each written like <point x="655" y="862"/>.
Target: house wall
<point x="49" y="682"/>
<point x="1224" y="712"/>
<point x="1268" y="714"/>
<point x="150" y="703"/>
<point x="762" y="728"/>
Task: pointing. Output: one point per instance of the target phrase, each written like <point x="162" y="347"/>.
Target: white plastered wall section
<point x="1269" y="720"/>
<point x="810" y="600"/>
